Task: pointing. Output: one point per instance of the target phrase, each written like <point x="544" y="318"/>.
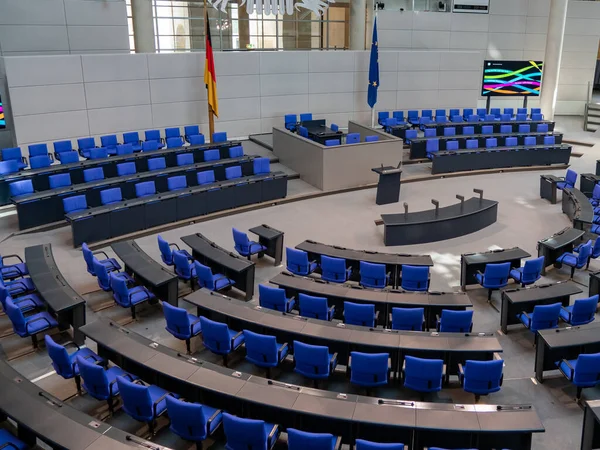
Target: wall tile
<point x="114" y="67"/>
<point x="416" y="100"/>
<point x="506" y="41"/>
<point x="284" y="84"/>
<point x="329" y="103"/>
<point x="34" y="38"/>
<point x="331" y="61"/>
<point x="418" y="81"/>
<point x="537" y="25"/>
<point x="418" y="61"/>
<point x="283" y="62"/>
<point x="94" y="13"/>
<point x="176" y="65"/>
<point x="170" y="90"/>
<point x="117" y="93"/>
<point x="106" y="38"/>
<point x="44" y="99"/>
<point x="459" y="79"/>
<point x="583" y="10"/>
<point x="392" y="39"/>
<point x="278" y="106"/>
<point x="238" y="86"/>
<point x="178" y="114"/>
<point x="470" y="22"/>
<point x="32" y="12"/>
<point x="323" y="83"/>
<point x="468" y="40"/>
<point x="430" y="39"/>
<point x="508" y="7"/>
<point x="43" y="70"/>
<point x="125" y="118"/>
<point x="471" y="60"/>
<point x="51" y="127"/>
<point x="234" y="63"/>
<point x="428" y="21"/>
<point x="538" y="8"/>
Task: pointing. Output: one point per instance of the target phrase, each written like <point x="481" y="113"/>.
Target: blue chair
<point x="59" y="180"/>
<point x="399" y="116"/>
<point x="382" y="116"/>
<point x="494" y="277"/>
<point x="234" y="172"/>
<point x="104" y="276"/>
<point x="157" y="164"/>
<point x="373" y="275"/>
<point x="109" y="143"/>
<point x="361" y="444"/>
<point x="537" y="117"/>
<point x="74" y="204"/>
<point x="219" y="137"/>
<point x="127" y="297"/>
<point x="206" y="177"/>
<point x="144" y="403"/>
<point x="245" y="246"/>
<point x="451" y="146"/>
<point x="496" y="112"/>
<point x="449" y="131"/>
<point x="305" y="117"/>
<point x="335" y="127"/>
<point x="181" y="324"/>
<point x="474" y="118"/>
<point x="249" y="434"/>
<point x="291" y="121"/>
<point x="274" y="298"/>
<point x="530" y="273"/>
<point x="111" y="264"/>
<point x="219" y="339"/>
<point x="415" y="278"/>
<point x="456" y="119"/>
<point x="261" y="166"/>
<point x="428" y="113"/>
<point x="185" y="159"/>
<point x="481" y="112"/>
<point x="166" y="254"/>
<point x="467" y="112"/>
<point x="303" y="131"/>
<point x="472" y="143"/>
<point x="14" y="154"/>
<point x="550" y="141"/>
<point x="172" y="133"/>
<point x="360" y="314"/>
<point x="529" y="141"/>
<point x="489" y="118"/>
<point x="334" y="269"/>
<point x="583" y="372"/>
<point x="302" y="440"/>
<point x="332" y="142"/>
<point x="124" y="149"/>
<point x="509" y="111"/>
<point x="413" y="117"/>
<point x="487" y="129"/>
<point x="31" y="325"/>
<point x="594" y="201"/>
<point x="313" y="361"/>
<point x="210" y="281"/>
<point x="423" y="375"/>
<point x="569" y="180"/>
<point x="481" y="377"/>
<point x="236" y="152"/>
<point x="109" y="196"/>
<point x="491" y="143"/>
<point x="505" y="117"/>
<point x="133" y="138"/>
<point x="408" y="319"/>
<point x="371" y="138"/>
<point x="10" y="442"/>
<point x="409" y="135"/>
<point x="98" y="153"/>
<point x="12" y="271"/>
<point x="101" y="382"/>
<point x="369" y="369"/>
<point x="581" y="312"/>
<point x="264" y="351"/>
<point x="26" y="303"/>
<point x="440" y="113"/>
<point x="37" y="150"/>
<point x="174" y="142"/>
<point x="65" y="363"/>
<point x="61" y="147"/>
<point x="93" y="174"/>
<point x="505" y="129"/>
<point x="432" y="146"/>
<point x="455" y="321"/>
<point x="145" y="189"/>
<point x="576" y="260"/>
<point x="212" y="155"/>
<point x="524" y="128"/>
<point x="542" y="128"/>
<point x="25" y="187"/>
<point x="192" y="421"/>
<point x="69" y="157"/>
<point x="184" y="266"/>
<point x="127" y="168"/>
<point x="430" y="132"/>
<point x="197" y="139"/>
<point x="149" y="146"/>
<point x="39" y="162"/>
<point x="511" y="142"/>
<point x="315" y="307"/>
<point x="154" y="136"/>
<point x="297" y="262"/>
<point x="18" y="288"/>
<point x="543" y="317"/>
<point x="176" y="183"/>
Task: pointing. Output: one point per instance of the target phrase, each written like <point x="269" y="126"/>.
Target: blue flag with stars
<point x="374" y="69"/>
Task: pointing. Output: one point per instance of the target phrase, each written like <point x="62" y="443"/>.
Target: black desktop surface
<point x="562" y="238"/>
<point x="219" y="255"/>
<point x="571" y="336"/>
<point x="541" y="292"/>
<point x="142" y="264"/>
<point x="469" y="207"/>
<point x="495" y="256"/>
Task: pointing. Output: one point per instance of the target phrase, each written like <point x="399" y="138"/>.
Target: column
<point x="358" y="19"/>
<point x="243" y="25"/>
<point x="143" y="26"/>
<point x="369" y="25"/>
<point x="552" y="58"/>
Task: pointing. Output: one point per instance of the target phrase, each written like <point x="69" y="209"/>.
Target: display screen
<point x="512" y="78"/>
<point x="2" y="119"/>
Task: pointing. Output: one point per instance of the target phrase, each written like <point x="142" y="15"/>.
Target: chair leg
<point x="34" y="341"/>
<point x="151" y="427"/>
<point x="225" y="360"/>
<point x="133" y="312"/>
<point x="572" y="272"/>
<point x="268" y="373"/>
<point x="489" y="295"/>
<point x="199" y="445"/>
<point x="579" y="389"/>
<point x="188" y="346"/>
<point x="111" y="406"/>
<point x="78" y="383"/>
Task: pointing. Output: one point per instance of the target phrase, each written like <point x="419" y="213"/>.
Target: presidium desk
<point x="350" y="416"/>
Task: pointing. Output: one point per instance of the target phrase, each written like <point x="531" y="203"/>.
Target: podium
<point x="388" y="187"/>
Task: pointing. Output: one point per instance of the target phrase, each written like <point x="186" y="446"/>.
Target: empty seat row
<point x="433" y="145"/>
<point x="291" y="120"/>
<point x="414" y="118"/>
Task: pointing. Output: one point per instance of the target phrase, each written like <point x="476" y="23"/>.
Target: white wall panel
<point x="418" y="81"/>
<point x="569" y="92"/>
<point x="418" y="61"/>
<point x="330" y="103"/>
<point x="284" y="62"/>
<point x="535" y="42"/>
<point x="384" y="102"/>
<point x="583" y="27"/>
<point x="98" y="38"/>
<point x="538" y="8"/>
<point x="114" y="67"/>
<point x="323" y="83"/>
<point x="395" y="39"/>
<point x="32" y="12"/>
<point x="427" y="21"/>
<point x="238" y="86"/>
<point x="468" y="40"/>
<point x="388" y="61"/>
<point x="575" y="76"/>
<point x="470" y="22"/>
<point x="507" y="24"/>
<point x="23" y="38"/>
<point x="331" y="61"/>
<point x="497" y="54"/>
<point x="284" y="84"/>
<point x="416" y="99"/>
<point x="51" y="127"/>
<point x="459" y="80"/>
<point x="509" y="7"/>
<point x="457" y="98"/>
<point x="170" y="90"/>
<point x="42" y="99"/>
<point x="575" y="43"/>
<point x="239" y="108"/>
<point x="578" y="60"/>
<point x="461" y="60"/>
<point x="394" y="20"/>
<point x="176" y="65"/>
<point x="431" y="39"/>
<point x="43" y="70"/>
<point x="583" y="10"/>
<point x="117" y="93"/>
<point x="506" y="41"/>
<point x="278" y="106"/>
<point x="537" y="25"/>
<point x="95" y="13"/>
<point x="111" y="120"/>
<point x="179" y="114"/>
<point x="234" y="63"/>
<point x="574" y="108"/>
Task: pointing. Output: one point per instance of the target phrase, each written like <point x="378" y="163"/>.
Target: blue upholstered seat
<point x="494" y="277"/>
<point x="373" y="275"/>
<point x="197" y="139"/>
<point x="93" y="174"/>
<point x="74" y="204"/>
<point x="313" y="361"/>
<point x="128" y="297"/>
<point x="184" y="159"/>
<point x="582" y="311"/>
<point x="583" y="372"/>
<point x="133" y="138"/>
<point x="315" y="307"/>
<point x="529" y="273"/>
<point x="245" y="246"/>
<point x="576" y="260"/>
<point x="210" y="281"/>
<point x="219" y="339"/>
<point x="174" y="142"/>
<point x="481" y="377"/>
<point x="192" y="421"/>
<point x="22" y="187"/>
<point x="69" y="157"/>
<point x="101" y="382"/>
<point x="157" y="164"/>
<point x="98" y="153"/>
<point x="212" y="155"/>
<point x="409" y="319"/>
<point x="219" y="137"/>
<point x="112" y="195"/>
<point x="569" y="180"/>
<point x="423" y="375"/>
<point x="452" y="321"/>
<point x="145" y="189"/>
<point x="274" y="298"/>
<point x="334" y="269"/>
<point x="61" y="147"/>
<point x="264" y="350"/>
<point x="154" y="136"/>
<point x="125" y="149"/>
<point x="261" y="166"/>
<point x="166" y="253"/>
<point x="360" y="314"/>
<point x="297" y="262"/>
<point x="249" y="434"/>
<point x="236" y="152"/>
<point x="206" y="177"/>
<point x="39" y="162"/>
<point x="302" y="440"/>
<point x="12" y="271"/>
<point x="415" y="278"/>
<point x="176" y="183"/>
<point x="31" y="325"/>
<point x="110" y="143"/>
<point x="233" y="172"/>
<point x="542" y="317"/>
<point x="127" y="168"/>
<point x="14" y="154"/>
<point x="362" y="444"/>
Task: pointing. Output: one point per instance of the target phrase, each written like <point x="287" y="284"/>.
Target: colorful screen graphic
<point x="512" y="78"/>
<point x="2" y="119"/>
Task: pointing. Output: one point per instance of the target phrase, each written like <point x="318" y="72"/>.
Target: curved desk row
<point x="439" y="127"/>
<point x="383" y="299"/>
<point x="39" y="177"/>
<point x="498" y="157"/>
<point x="45" y="207"/>
<point x="471" y="263"/>
<point x="39" y="415"/>
<point x="587" y="181"/>
<point x="440" y="224"/>
<point x="350" y="416"/>
<point x="551" y="248"/>
<point x="418" y="146"/>
<point x="130" y="216"/>
<point x="453" y="348"/>
<point x="577" y="207"/>
<point x="62" y="300"/>
<point x="392" y="261"/>
<point x="234" y="267"/>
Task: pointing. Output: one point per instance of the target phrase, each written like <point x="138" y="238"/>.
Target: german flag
<point x="210" y="77"/>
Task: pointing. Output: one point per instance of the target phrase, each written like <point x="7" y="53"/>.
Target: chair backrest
<point x="466" y="111"/>
<point x="212" y="155"/>
<point x="119" y="288"/>
<point x="124" y="149"/>
<point x="261" y="165"/>
<point x="177" y="182"/>
<point x="511" y="142"/>
<point x="333" y="269"/>
<point x="415" y="278"/>
<point x="62" y="146"/>
<point x="423" y="374"/>
<point x="102" y="275"/>
<point x="182" y="264"/>
<point x="112" y="195"/>
<point x="359" y="314"/>
<point x="88" y="257"/>
<point x="505" y="129"/>
<point x="432" y="145"/>
<point x="487" y="129"/>
<point x="584" y="310"/>
<point x="148" y="146"/>
<point x="261" y="348"/>
<point x="521" y="117"/>
<point x="352" y="138"/>
<point x="452" y="145"/>
<point x="12" y="154"/>
<point x="311" y="359"/>
<point x="537" y="117"/>
<point x="548" y="140"/>
<point x="369" y="368"/>
<point x="272" y="298"/>
<point x="59" y="180"/>
<point x="24" y="187"/>
<point x="133" y="137"/>
<point x="165" y="251"/>
<point x="37" y="150"/>
<point x="188" y="420"/>
<point x="491" y="143"/>
<point x="233" y="172"/>
<point x="94" y="378"/>
<point x="241" y="241"/>
<point x="174" y="142"/>
<point x="290" y="120"/>
<point x="296" y="261"/>
<point x="449" y="131"/>
<point x="205" y="276"/>
<point x="521" y="110"/>
<point x="206" y="177"/>
<point x="584" y="254"/>
<point x="391" y="122"/>
<point x="93" y="174"/>
<point x="98" y="153"/>
<point x="587" y="370"/>
<point x="244" y="434"/>
<point x="126" y="168"/>
<point x="172" y="132"/>
<point x="481" y="112"/>
<point x="483" y="376"/>
<point x="398" y="115"/>
<point x="571" y="178"/>
<point x="472" y="143"/>
<point x="152" y="135"/>
<point x="74" y="204"/>
<point x="489" y="117"/>
<point x="496" y="275"/>
<point x="382" y="116"/>
<point x="332" y="142"/>
<point x="595" y="192"/>
<point x="430" y="132"/>
<point x="545" y="316"/>
<point x="311" y="306"/>
<point x="215" y="336"/>
<point x="361" y="444"/>
<point x="505" y="117"/>
<point x="532" y="271"/>
<point x="456" y="321"/>
<point x="178" y="321"/>
<point x="372" y="275"/>
<point x="302" y="440"/>
<point x="410" y="319"/>
<point x="473" y="118"/>
<point x="16" y="317"/>
<point x="157" y="163"/>
<point x="371" y="138"/>
<point x="542" y="128"/>
<point x="413" y="114"/>
<point x="69" y="157"/>
<point x="145" y="189"/>
<point x="303" y="131"/>
<point x="440" y="113"/>
<point x="60" y="358"/>
<point x="495" y="112"/>
<point x="529" y="141"/>
<point x="335" y="127"/>
<point x="410" y="134"/>
<point x="219" y="137"/>
<point x="305" y="117"/>
<point x="197" y="139"/>
<point x="524" y="128"/>
<point x="236" y="152"/>
<point x="109" y="141"/>
<point x="137" y="402"/>
<point x="427" y="113"/>
<point x="456" y="118"/>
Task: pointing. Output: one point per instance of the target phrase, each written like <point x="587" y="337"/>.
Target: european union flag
<point x="374" y="69"/>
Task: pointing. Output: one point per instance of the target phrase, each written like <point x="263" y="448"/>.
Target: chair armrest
<point x="220" y="277"/>
<point x="98" y="252"/>
<point x="437" y="322"/>
<point x="330" y="311"/>
<point x="21" y="274"/>
<point x="211" y="418"/>
<point x="12" y="256"/>
<point x="526" y="314"/>
<point x="174" y="245"/>
<point x="21" y="284"/>
<point x="377" y="317"/>
<point x="145" y="293"/>
<point x="338" y="443"/>
<point x="568" y="364"/>
<point x="155" y="405"/>
<point x="501" y="379"/>
<point x="235" y="337"/>
<point x="461" y="371"/>
<point x="273" y="432"/>
<point x="444" y="370"/>
<point x="566" y="311"/>
<point x="66" y="344"/>
<point x="314" y="261"/>
<point x="9" y="445"/>
<point x="36" y="320"/>
<point x="334" y="357"/>
<point x="192" y="326"/>
<point x="281" y="349"/>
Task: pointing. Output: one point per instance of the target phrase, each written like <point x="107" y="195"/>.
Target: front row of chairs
<point x="543" y="317"/>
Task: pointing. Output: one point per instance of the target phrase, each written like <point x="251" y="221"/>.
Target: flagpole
<point x="211" y="114"/>
<point x="373" y="108"/>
